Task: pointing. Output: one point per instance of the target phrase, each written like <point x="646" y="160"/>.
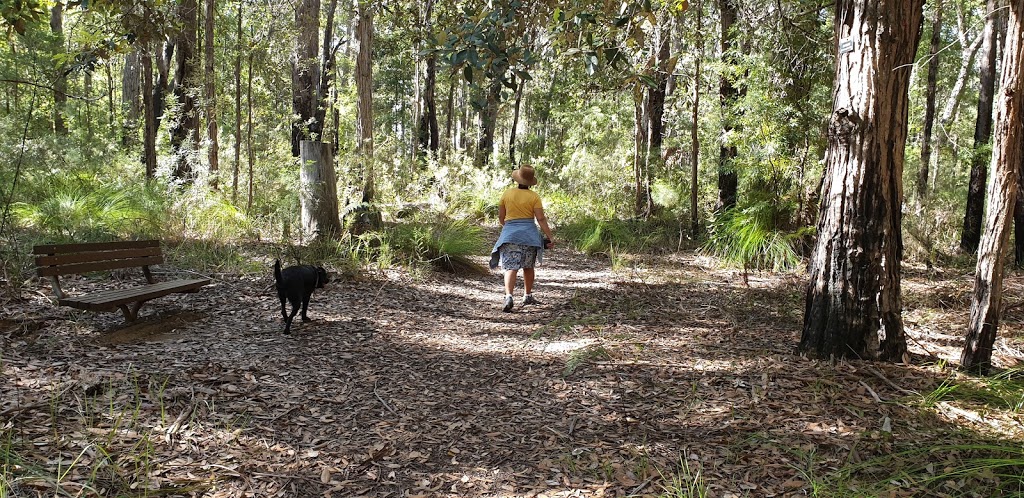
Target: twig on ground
<point x="892" y="384"/>
<point x="385" y="403"/>
<point x="872" y="391"/>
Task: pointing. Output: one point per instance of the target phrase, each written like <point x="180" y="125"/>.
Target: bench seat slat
<point x="113" y="298"/>
<point x="78" y="268"/>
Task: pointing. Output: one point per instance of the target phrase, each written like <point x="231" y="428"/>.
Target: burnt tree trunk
<point x="853" y="304"/>
<point x="971" y="235"/>
<point x="1002" y="192"/>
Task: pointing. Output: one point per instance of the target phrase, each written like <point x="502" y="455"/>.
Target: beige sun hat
<point x="525" y="175"/>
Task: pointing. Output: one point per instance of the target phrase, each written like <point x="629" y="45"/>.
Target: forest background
<point x="382" y="133"/>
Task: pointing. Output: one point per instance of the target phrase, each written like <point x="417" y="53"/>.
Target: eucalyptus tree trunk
<point x="656" y="110"/>
<point x="515" y="120"/>
<point x="694" y="125"/>
<point x="210" y="93"/>
<point x="318" y="190"/>
<point x="971" y="235"/>
<point x="60" y="83"/>
<point x="186" y="124"/>
<point x="163" y="80"/>
<point x="968" y="51"/>
<point x="131" y="95"/>
<point x="728" y="180"/>
<point x="1002" y="191"/>
<point x="305" y="73"/>
<point x="641" y="183"/>
<point x="238" y="105"/>
<point x="488" y="120"/>
<point x="150" y="123"/>
<point x="364" y="93"/>
<point x="853" y="303"/>
<point x="929" y="107"/>
<point x="428" y="118"/>
<point x="327" y="57"/>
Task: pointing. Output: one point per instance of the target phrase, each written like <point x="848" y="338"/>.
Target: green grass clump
<point x="80" y="208"/>
<point x="444" y="246"/>
<point x="594" y="236"/>
<point x="750" y="238"/>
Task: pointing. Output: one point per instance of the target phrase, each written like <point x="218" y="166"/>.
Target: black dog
<point x="296" y="284"/>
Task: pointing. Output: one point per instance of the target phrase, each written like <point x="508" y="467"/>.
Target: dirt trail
<point x="619" y="383"/>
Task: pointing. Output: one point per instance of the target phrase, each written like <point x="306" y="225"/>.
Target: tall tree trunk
<point x="250" y="159"/>
<point x="641" y="121"/>
<point x="728" y="179"/>
<point x="488" y="121"/>
<point x="163" y="81"/>
<point x="1002" y="191"/>
<point x="449" y="138"/>
<point x="211" y="94"/>
<point x="929" y="106"/>
<point x="428" y="117"/>
<point x="695" y="124"/>
<point x="971" y="235"/>
<point x="131" y="95"/>
<point x="364" y="92"/>
<point x="656" y="110"/>
<point x="305" y="73"/>
<point x="60" y="83"/>
<point x="238" y="104"/>
<point x="186" y="125"/>
<point x="968" y="51"/>
<point x="110" y="96"/>
<point x="318" y="190"/>
<point x="853" y="304"/>
<point x="327" y="70"/>
<point x="515" y="120"/>
<point x="149" y="113"/>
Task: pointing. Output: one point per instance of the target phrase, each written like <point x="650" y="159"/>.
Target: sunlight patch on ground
<point x="561" y="347"/>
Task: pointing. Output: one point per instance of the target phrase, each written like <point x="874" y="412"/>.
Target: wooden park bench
<point x="70" y="259"/>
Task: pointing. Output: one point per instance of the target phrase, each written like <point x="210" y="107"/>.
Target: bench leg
<point x="131" y="313"/>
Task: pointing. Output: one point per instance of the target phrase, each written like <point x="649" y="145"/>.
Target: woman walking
<point x="520" y="244"/>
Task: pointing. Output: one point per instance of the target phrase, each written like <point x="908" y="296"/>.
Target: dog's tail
<point x="277" y="271"/>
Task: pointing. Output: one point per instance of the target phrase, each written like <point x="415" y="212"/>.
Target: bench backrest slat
<point x="93" y="246"/>
<point x="47" y="271"/>
<point x="88" y="257"/>
<point x="56" y="260"/>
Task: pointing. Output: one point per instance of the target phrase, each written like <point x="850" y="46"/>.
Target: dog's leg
<point x="288" y="320"/>
<point x="305" y="304"/>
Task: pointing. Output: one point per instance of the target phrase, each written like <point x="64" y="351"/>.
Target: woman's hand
<point x="549" y="244"/>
